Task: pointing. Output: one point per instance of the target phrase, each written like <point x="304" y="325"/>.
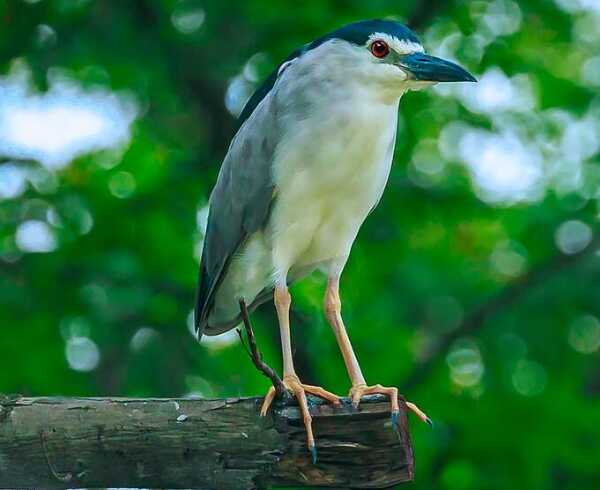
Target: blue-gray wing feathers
<point x="240" y="202"/>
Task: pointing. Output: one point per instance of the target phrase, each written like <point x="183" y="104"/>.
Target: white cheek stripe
<point x="401" y="46"/>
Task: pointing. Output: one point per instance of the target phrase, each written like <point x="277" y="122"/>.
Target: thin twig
<point x="257" y="357"/>
<point x="243" y="342"/>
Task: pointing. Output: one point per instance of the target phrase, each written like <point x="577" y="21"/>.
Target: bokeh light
<point x="13" y="181"/>
<point x="122" y="185"/>
<point x="573" y="236"/>
<point x="35" y="237"/>
<point x="584" y="334"/>
<point x="63" y="123"/>
<point x="509" y="259"/>
<point x="188" y="16"/>
<point x="504" y="167"/>
<point x="142" y="338"/>
<point x="529" y="378"/>
<point x="82" y="354"/>
<point x="213" y="342"/>
<point x="466" y="364"/>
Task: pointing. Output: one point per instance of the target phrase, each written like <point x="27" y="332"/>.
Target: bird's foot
<point x="299" y="390"/>
<point x="358" y="391"/>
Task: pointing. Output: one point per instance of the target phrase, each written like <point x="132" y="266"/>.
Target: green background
<point x="473" y="286"/>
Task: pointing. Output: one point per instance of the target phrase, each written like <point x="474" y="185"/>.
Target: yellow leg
<point x="333" y="312"/>
<point x="290" y="379"/>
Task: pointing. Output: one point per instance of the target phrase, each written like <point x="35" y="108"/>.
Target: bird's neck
<point x="355" y="91"/>
<point x="362" y="104"/>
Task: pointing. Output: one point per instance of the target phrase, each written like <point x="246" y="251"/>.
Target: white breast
<point x="329" y="176"/>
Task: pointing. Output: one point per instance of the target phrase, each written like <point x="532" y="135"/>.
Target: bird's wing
<point x="240" y="202"/>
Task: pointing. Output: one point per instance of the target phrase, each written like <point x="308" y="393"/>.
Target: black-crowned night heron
<point x="309" y="162"/>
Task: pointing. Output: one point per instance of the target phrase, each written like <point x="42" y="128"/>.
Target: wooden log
<point x="204" y="444"/>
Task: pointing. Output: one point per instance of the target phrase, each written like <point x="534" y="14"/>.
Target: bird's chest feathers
<point x="340" y="156"/>
<point x="331" y="172"/>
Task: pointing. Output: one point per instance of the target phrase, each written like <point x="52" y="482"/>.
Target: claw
<point x="395" y="419"/>
<point x="313" y="453"/>
<point x="419" y="413"/>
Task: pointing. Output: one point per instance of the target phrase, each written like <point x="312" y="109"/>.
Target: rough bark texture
<point x="201" y="444"/>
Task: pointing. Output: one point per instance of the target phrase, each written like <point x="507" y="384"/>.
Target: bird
<point x="308" y="163"/>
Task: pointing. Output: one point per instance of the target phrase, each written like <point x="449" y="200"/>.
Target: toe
<point x="419" y="413"/>
<point x="267" y="402"/>
<point x="393" y="394"/>
<point x="321" y="393"/>
<point x="293" y="384"/>
<point x="356" y="393"/>
<point x="300" y="395"/>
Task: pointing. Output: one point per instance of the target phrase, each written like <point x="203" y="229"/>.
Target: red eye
<point x="380" y="49"/>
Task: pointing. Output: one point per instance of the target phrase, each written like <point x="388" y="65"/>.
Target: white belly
<point x="328" y="178"/>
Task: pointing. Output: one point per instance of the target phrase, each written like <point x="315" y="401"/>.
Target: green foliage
<point x="514" y="392"/>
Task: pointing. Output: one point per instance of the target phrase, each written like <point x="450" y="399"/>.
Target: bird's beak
<point x="426" y="68"/>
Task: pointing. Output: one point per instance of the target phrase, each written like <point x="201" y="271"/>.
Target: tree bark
<point x="202" y="444"/>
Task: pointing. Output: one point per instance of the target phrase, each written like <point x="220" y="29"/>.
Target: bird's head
<point x="381" y="55"/>
<point x="386" y="54"/>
